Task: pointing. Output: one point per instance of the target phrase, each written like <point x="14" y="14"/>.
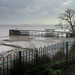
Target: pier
<point x="43" y="33"/>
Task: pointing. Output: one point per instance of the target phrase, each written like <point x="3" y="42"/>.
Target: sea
<point x="4" y="29"/>
<point x="27" y="41"/>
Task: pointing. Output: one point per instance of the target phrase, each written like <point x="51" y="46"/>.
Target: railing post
<point x="20" y="68"/>
<point x="66" y="53"/>
<point x="36" y="56"/>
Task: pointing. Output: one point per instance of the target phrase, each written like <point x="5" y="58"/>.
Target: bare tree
<point x="68" y="18"/>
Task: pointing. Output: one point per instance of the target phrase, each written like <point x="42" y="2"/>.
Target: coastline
<point x="17" y="42"/>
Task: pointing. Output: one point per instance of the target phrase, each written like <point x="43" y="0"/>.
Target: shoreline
<point x="14" y="42"/>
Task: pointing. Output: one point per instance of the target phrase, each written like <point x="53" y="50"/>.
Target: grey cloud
<point x="20" y="5"/>
<point x="32" y="8"/>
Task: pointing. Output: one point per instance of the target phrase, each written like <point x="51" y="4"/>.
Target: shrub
<point x="72" y="51"/>
<point x="58" y="56"/>
<point x="43" y="59"/>
<point x="42" y="70"/>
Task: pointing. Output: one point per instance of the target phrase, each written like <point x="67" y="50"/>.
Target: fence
<point x="19" y="62"/>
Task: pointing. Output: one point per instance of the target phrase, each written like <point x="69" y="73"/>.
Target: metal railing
<point x="21" y="61"/>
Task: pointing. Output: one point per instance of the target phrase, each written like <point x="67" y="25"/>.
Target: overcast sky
<point x="33" y="11"/>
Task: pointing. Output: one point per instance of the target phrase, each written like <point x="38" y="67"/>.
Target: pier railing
<point x="19" y="62"/>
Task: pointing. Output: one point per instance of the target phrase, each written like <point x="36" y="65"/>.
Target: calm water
<point x="4" y="29"/>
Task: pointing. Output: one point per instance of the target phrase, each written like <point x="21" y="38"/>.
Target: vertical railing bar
<point x="66" y="53"/>
<point x="10" y="61"/>
<point x="20" y="63"/>
<point x="43" y="55"/>
<point x="3" y="66"/>
<point x="23" y="56"/>
<point x="26" y="62"/>
<point x="34" y="58"/>
<point x="23" y="60"/>
<point x="7" y="64"/>
<point x="14" y="61"/>
<point x="29" y="60"/>
<point x="40" y="54"/>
